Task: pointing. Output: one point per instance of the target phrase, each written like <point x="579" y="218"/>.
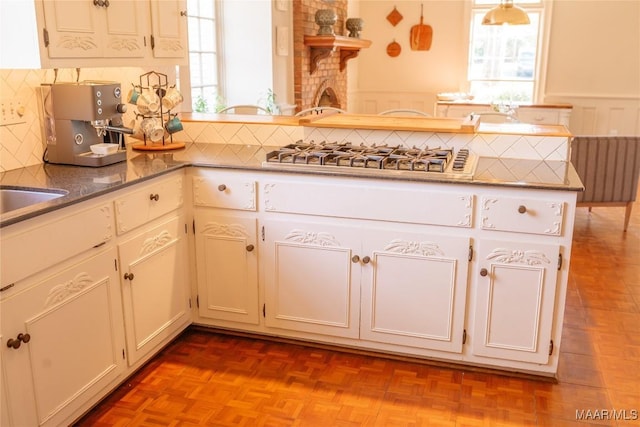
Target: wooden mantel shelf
<point x="323" y="46"/>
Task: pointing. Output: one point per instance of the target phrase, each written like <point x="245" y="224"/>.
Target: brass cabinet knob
<point x="522" y="209"/>
<point x="365" y="260"/>
<point x="222" y="187"/>
<point x="250" y="248"/>
<point x="155" y="197"/>
<point x="21" y="338"/>
<point x="484" y="272"/>
<point x="355" y="258"/>
<point x="15" y="344"/>
<point x="128" y="276"/>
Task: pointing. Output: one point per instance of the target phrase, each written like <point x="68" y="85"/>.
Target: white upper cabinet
<point x="169" y="29"/>
<point x="94" y="29"/>
<point x="103" y="33"/>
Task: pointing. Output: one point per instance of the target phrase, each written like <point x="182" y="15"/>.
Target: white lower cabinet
<point x="227" y="267"/>
<point x="515" y="300"/>
<point x="389" y="285"/>
<point x="414" y="288"/>
<point x="154" y="286"/>
<point x="62" y="342"/>
<point x="312" y="276"/>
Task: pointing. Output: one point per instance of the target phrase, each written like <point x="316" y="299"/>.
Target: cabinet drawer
<point x="27" y="252"/>
<point x="148" y="202"/>
<point x="224" y="192"/>
<point x="539" y="116"/>
<point x="535" y="216"/>
<point x="397" y="203"/>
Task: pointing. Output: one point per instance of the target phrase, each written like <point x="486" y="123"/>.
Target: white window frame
<point x="540" y="70"/>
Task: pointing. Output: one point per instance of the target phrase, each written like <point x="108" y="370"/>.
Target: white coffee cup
<point x="152" y="128"/>
<point x="172" y="98"/>
<point x="137" y="129"/>
<point x="148" y="102"/>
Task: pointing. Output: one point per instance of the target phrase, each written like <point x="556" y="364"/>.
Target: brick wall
<point x="328" y="74"/>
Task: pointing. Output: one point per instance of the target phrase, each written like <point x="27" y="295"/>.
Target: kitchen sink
<point x="12" y="198"/>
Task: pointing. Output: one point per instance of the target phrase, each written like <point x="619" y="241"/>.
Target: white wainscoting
<point x="601" y="114"/>
<point x="374" y="102"/>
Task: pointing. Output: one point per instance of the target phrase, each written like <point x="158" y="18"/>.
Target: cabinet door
<point x="81" y="29"/>
<point x="5" y="419"/>
<point x="154" y="287"/>
<point x="169" y="29"/>
<point x="311" y="283"/>
<point x="227" y="267"/>
<point x="414" y="289"/>
<point x="514" y="300"/>
<point x="126" y="23"/>
<point x="76" y="346"/>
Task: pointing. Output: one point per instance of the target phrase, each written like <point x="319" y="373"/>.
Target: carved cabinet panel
<point x="227" y="267"/>
<point x="311" y="277"/>
<point x="86" y="29"/>
<point x="414" y="288"/>
<point x="522" y="215"/>
<point x="169" y="29"/>
<point x="515" y="300"/>
<point x="62" y="342"/>
<point x="154" y="286"/>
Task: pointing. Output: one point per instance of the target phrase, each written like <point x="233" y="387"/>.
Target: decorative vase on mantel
<point x="326" y="19"/>
<point x="354" y="25"/>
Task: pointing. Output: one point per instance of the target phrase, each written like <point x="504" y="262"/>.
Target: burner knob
<point x="522" y="209"/>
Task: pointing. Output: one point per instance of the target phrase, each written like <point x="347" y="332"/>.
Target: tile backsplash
<point x="22" y="144"/>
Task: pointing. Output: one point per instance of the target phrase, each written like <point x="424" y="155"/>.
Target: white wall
<point x="248" y="50"/>
<point x="593" y="61"/>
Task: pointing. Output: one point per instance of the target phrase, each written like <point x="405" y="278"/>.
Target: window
<point x="503" y="59"/>
<point x="204" y="72"/>
<point x="226" y="66"/>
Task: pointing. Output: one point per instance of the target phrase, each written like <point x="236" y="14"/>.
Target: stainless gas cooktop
<point x="374" y="159"/>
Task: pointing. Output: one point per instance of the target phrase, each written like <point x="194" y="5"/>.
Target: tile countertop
<point x="83" y="183"/>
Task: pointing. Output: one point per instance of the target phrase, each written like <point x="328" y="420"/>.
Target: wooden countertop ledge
<point x="377" y="122"/>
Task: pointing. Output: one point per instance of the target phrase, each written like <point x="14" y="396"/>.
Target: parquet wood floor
<point x="205" y="379"/>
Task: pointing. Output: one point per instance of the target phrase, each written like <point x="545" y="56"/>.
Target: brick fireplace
<point x="327" y="86"/>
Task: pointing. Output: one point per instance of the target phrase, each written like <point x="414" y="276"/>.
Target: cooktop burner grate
<point x="373" y="157"/>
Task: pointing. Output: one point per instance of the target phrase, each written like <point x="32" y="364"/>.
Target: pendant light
<point x="506" y="13"/>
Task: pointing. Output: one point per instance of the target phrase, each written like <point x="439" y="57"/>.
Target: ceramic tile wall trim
<point x="487" y="145"/>
<point x="241" y="134"/>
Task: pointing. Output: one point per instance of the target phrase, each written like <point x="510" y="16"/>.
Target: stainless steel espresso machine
<point x="81" y="114"/>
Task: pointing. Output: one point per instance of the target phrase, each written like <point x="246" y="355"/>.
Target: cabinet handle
<point x="155" y="197"/>
<point x="366" y="260"/>
<point x="522" y="209"/>
<point x="128" y="276"/>
<point x="21" y="338"/>
<point x="484" y="272"/>
<point x="355" y="258"/>
<point x="183" y="13"/>
<point x="222" y="187"/>
<point x="250" y="248"/>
